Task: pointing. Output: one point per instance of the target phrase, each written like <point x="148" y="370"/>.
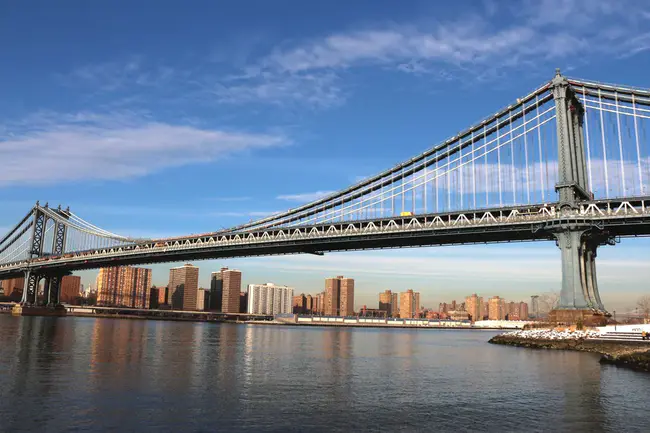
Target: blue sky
<point x="157" y="118"/>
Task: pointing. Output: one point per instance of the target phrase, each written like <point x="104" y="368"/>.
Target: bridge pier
<point x="579" y="296"/>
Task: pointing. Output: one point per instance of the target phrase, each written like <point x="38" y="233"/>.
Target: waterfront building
<point x="243" y="301"/>
<point x="216" y="290"/>
<point x="299" y="304"/>
<point x="183" y="287"/>
<point x="70" y="288"/>
<point x="321" y="301"/>
<point x="474" y="307"/>
<point x="153" y="297"/>
<point x="372" y="312"/>
<point x="417" y="304"/>
<point x="269" y="299"/>
<point x="346" y="296"/>
<point x="231" y="286"/>
<point x="339" y="296"/>
<point x="309" y="304"/>
<point x="497" y="308"/>
<point x="123" y="286"/>
<point x="202" y="295"/>
<point x="332" y="293"/>
<point x="458" y="315"/>
<point x="523" y="311"/>
<point x="395" y="305"/>
<point x="13" y="287"/>
<point x="386" y="302"/>
<point x="408" y="304"/>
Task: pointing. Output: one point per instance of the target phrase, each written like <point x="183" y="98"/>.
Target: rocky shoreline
<point x="627" y="354"/>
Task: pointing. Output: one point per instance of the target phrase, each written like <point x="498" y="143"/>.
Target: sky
<point x="161" y="118"/>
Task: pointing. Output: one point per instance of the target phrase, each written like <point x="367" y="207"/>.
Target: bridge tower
<point x="30" y="291"/>
<point x="577" y="238"/>
<point x="52" y="281"/>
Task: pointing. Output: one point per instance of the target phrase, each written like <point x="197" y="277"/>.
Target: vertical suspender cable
<point x="460" y="174"/>
<point x="539" y="144"/>
<point x="638" y="149"/>
<point x="602" y="134"/>
<point x="437" y="175"/>
<point x="523" y="109"/>
<point x="512" y="169"/>
<point x="487" y="184"/>
<point x="473" y="172"/>
<point x="620" y="146"/>
<point x="424" y="187"/>
<point x="584" y="96"/>
<point x="499" y="165"/>
<point x="448" y="179"/>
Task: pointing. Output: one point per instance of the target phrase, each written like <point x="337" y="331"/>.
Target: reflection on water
<point x="77" y="374"/>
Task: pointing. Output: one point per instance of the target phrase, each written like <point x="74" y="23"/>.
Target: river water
<point x="96" y="375"/>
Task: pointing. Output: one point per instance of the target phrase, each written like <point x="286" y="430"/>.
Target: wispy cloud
<point x="228" y="199"/>
<point x="116" y="75"/>
<point x="305" y="197"/>
<point x="470" y="45"/>
<point x="55" y="147"/>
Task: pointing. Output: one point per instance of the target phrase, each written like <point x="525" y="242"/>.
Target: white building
<point x="200" y="299"/>
<point x="269" y="299"/>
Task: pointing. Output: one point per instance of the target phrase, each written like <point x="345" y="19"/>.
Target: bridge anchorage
<point x="569" y="162"/>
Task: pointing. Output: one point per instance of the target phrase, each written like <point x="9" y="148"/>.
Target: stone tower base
<point x="571" y="317"/>
<point x="28" y="310"/>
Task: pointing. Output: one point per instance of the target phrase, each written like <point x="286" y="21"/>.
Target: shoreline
<point x="634" y="355"/>
<point x="273" y="323"/>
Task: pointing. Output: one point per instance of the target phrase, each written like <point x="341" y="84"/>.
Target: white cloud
<point x="315" y="89"/>
<point x="305" y="197"/>
<point x="470" y="45"/>
<point x="52" y="148"/>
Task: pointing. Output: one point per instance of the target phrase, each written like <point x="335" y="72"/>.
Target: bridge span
<point x="569" y="163"/>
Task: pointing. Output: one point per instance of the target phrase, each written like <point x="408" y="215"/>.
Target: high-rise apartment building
<point x="523" y="311"/>
<point x="395" y="305"/>
<point x="216" y="290"/>
<point x="202" y="295"/>
<point x="231" y="287"/>
<point x="386" y="302"/>
<point x="474" y="307"/>
<point x="13" y="287"/>
<point x="497" y="309"/>
<point x="123" y="286"/>
<point x="299" y="304"/>
<point x="70" y="288"/>
<point x="339" y="296"/>
<point x="346" y="296"/>
<point x="408" y="304"/>
<point x="183" y="287"/>
<point x="309" y="304"/>
<point x="332" y="294"/>
<point x="269" y="299"/>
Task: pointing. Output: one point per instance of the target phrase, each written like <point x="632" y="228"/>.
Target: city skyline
<point x="437" y="273"/>
<point x="326" y="104"/>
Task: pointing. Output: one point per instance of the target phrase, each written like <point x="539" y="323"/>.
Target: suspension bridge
<point x="569" y="163"/>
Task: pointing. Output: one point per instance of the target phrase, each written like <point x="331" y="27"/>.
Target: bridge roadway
<point x="628" y="217"/>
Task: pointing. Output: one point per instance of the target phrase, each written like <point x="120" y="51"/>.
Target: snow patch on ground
<point x="551" y="334"/>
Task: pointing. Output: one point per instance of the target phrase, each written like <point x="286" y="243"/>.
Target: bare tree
<point x="644" y="305"/>
<point x="548" y="301"/>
